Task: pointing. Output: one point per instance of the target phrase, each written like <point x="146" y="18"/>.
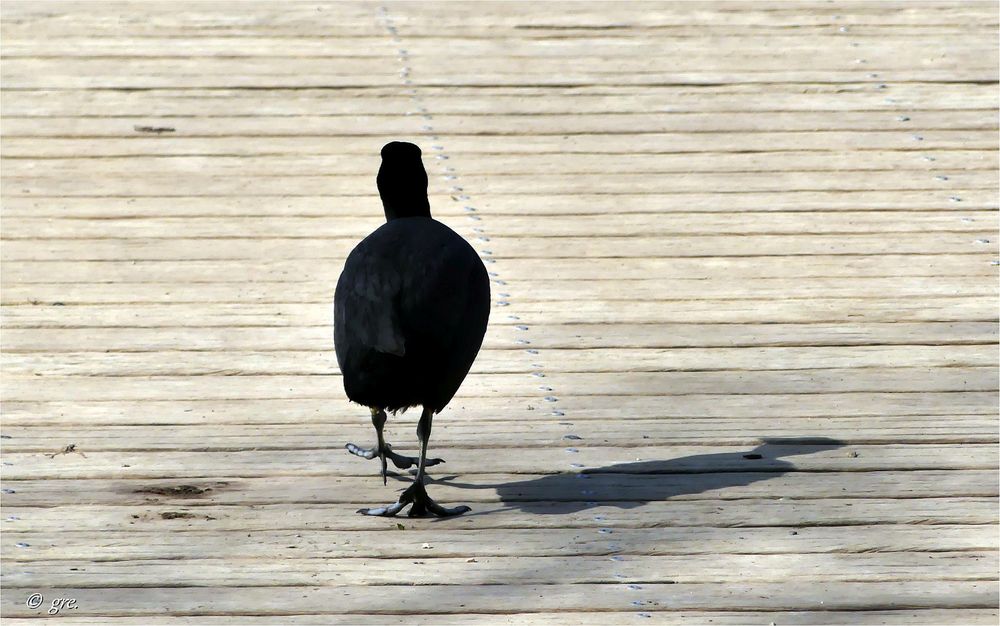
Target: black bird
<point x="410" y="312"/>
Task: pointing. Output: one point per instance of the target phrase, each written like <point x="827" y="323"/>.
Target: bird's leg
<point x="380" y="449"/>
<point x="421" y="501"/>
<point x="416" y="494"/>
<point x="383" y="450"/>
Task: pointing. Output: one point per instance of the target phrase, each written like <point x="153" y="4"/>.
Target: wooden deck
<point x="741" y="369"/>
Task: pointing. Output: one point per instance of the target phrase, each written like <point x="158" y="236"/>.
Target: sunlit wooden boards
<point x="742" y="362"/>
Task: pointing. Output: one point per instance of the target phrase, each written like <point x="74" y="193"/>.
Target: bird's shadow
<point x="631" y="485"/>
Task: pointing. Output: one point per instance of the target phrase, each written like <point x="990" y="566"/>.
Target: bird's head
<point x="402" y="181"/>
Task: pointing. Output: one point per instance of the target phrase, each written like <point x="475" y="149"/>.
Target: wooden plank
<point x="519" y="42"/>
<point x="510" y="228"/>
<point x="319" y="460"/>
<point x="431" y="49"/>
<point x="844" y="380"/>
<point x="500" y="205"/>
<point x="515" y="408"/>
<point x="747" y="311"/>
<point x="677" y="275"/>
<point x="820" y="310"/>
<point x="483" y="165"/>
<point x="171" y="246"/>
<point x="524" y="271"/>
<point x="522" y="490"/>
<point x="676" y="268"/>
<point x="896" y="566"/>
<point x="97" y="332"/>
<point x="179" y="518"/>
<point x="906" y="139"/>
<point x="528" y="68"/>
<point x="215" y="185"/>
<point x="366" y="24"/>
<point x="665" y="290"/>
<point x="452" y="542"/>
<point x="573" y="360"/>
<point x="579" y="14"/>
<point x="457" y="101"/>
<point x="908" y="617"/>
<point x="538" y="124"/>
<point x="402" y="599"/>
<point x="465" y="428"/>
<point x="579" y="78"/>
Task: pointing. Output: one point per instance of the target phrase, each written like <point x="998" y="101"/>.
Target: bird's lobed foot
<point x="422" y="505"/>
<point x="399" y="460"/>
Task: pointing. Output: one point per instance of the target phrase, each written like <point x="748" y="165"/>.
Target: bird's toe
<point x="383" y="511"/>
<point x="365" y="453"/>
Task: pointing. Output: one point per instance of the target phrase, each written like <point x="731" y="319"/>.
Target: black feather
<point x="412" y="304"/>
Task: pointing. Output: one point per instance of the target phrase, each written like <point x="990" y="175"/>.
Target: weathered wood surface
<point x="716" y="231"/>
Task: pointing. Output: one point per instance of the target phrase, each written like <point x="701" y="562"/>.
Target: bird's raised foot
<point x="400" y="461"/>
<point x="415" y="494"/>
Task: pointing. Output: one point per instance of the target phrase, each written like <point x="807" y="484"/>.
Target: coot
<point x="410" y="312"/>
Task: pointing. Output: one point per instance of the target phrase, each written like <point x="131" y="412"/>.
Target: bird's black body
<point x="410" y="313"/>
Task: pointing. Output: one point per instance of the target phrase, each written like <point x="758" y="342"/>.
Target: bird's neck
<point x="411" y="207"/>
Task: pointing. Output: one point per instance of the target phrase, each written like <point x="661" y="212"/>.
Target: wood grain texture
<point x="742" y="363"/>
